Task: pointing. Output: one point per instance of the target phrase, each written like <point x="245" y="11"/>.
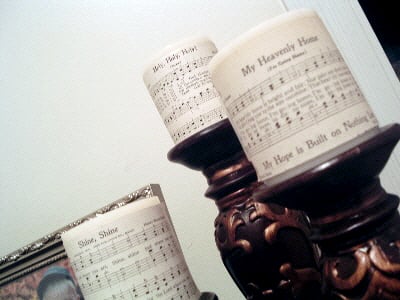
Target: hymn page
<point x="130" y="253"/>
<point x="290" y="96"/>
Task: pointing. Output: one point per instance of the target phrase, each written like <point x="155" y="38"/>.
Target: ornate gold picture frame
<point x="22" y="271"/>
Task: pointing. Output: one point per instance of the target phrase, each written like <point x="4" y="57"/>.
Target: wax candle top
<point x="180" y="85"/>
<point x="256" y="31"/>
<point x="289" y="95"/>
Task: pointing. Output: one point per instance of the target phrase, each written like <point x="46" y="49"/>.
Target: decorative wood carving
<point x="265" y="247"/>
<point x="354" y="221"/>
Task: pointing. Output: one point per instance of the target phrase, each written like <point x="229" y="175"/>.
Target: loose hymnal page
<point x="130" y="253"/>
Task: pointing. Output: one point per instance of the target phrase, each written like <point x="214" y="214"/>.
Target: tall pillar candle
<point x="290" y="96"/>
<point x="180" y="85"/>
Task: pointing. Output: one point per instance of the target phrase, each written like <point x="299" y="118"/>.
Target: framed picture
<point x="28" y="272"/>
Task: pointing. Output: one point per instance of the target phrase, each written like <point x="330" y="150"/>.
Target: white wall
<point x="78" y="128"/>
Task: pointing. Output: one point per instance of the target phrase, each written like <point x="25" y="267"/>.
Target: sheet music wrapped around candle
<point x="179" y="82"/>
<point x="290" y="96"/>
<point x="130" y="253"/>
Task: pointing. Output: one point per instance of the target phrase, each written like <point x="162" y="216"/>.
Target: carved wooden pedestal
<point x="354" y="221"/>
<point x="265" y="247"/>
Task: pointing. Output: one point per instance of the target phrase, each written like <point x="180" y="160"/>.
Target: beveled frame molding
<point x="50" y="249"/>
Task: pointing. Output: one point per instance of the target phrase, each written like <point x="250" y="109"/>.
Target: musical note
<point x="140" y="266"/>
<point x="258" y="111"/>
<point x="282" y="79"/>
<point x="197" y="122"/>
<point x="150" y="284"/>
<point x="120" y="246"/>
<point x="177" y="73"/>
<point x="133" y="262"/>
<point x="192" y="103"/>
<point x="184" y="91"/>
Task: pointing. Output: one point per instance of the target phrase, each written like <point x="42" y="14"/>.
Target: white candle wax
<point x="290" y="96"/>
<point x="179" y="82"/>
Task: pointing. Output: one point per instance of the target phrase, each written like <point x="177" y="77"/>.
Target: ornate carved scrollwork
<point x="354" y="221"/>
<point x="266" y="250"/>
<point x="370" y="271"/>
<point x="264" y="247"/>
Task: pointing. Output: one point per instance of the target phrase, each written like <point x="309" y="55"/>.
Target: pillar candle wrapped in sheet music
<point x="264" y="247"/>
<point x="180" y="86"/>
<point x="290" y="96"/>
<point x="315" y="143"/>
<point x="131" y="252"/>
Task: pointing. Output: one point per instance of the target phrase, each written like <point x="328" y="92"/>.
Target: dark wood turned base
<point x="354" y="221"/>
<point x="265" y="247"/>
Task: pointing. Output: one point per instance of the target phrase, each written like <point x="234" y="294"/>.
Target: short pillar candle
<point x="290" y="96"/>
<point x="180" y="85"/>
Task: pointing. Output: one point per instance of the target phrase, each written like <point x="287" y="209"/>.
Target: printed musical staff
<point x="92" y="284"/>
<point x="184" y="93"/>
<point x="177" y="74"/>
<point x="195" y="123"/>
<point x="128" y="243"/>
<point x="192" y="103"/>
<point x="283" y="78"/>
<point x="291" y="126"/>
<point x="315" y="99"/>
<point x="185" y="292"/>
<point x="140" y="255"/>
<point x="159" y="283"/>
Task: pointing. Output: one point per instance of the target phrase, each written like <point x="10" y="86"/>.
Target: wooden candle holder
<point x="354" y="221"/>
<point x="264" y="246"/>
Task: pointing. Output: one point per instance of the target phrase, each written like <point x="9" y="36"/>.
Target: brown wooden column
<point x="264" y="246"/>
<point x="354" y="221"/>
